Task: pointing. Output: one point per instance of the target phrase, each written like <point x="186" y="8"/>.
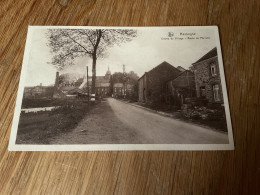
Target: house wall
<point x="185" y="80"/>
<point x="118" y="91"/>
<point x="38" y="92"/>
<point x="180" y="88"/>
<point x="103" y="91"/>
<point x="142" y="88"/>
<point x="157" y="79"/>
<point x="203" y="78"/>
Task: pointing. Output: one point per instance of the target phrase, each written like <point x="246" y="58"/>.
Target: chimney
<point x="57" y="80"/>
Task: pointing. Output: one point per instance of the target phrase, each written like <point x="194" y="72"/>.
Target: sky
<point x="151" y="47"/>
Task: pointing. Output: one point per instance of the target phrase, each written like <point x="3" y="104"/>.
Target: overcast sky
<point x="140" y="55"/>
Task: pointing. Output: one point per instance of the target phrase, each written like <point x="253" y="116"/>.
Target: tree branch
<point x="79" y="44"/>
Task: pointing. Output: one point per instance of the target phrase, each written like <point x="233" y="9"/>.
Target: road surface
<point x="116" y="122"/>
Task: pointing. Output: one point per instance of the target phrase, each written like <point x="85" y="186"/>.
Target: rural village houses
<point x="170" y="85"/>
<point x="79" y="87"/>
<point x="162" y="84"/>
<point x="104" y="87"/>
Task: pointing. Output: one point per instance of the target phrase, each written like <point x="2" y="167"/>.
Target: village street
<point x="115" y="122"/>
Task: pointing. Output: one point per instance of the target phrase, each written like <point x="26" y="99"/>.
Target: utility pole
<point x="124" y="88"/>
<point x="87" y="86"/>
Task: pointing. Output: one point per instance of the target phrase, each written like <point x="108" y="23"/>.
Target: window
<point x="216" y="93"/>
<point x="213" y="69"/>
<point x="202" y="91"/>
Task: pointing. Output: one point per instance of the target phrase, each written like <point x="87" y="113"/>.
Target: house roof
<point x="100" y="79"/>
<point x="181" y="68"/>
<point x="75" y="91"/>
<point x="118" y="84"/>
<point x="184" y="72"/>
<point x="164" y="63"/>
<point x="212" y="53"/>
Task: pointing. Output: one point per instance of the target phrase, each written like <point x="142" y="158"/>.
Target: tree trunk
<point x="94" y="56"/>
<point x="93" y="86"/>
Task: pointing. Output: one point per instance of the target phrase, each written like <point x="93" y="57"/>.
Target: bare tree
<point x="68" y="44"/>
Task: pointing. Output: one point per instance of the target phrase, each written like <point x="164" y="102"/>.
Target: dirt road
<point x="115" y="122"/>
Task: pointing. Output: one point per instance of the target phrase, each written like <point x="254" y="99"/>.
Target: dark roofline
<point x="212" y="53"/>
<point x="142" y="76"/>
<point x="161" y="64"/>
<point x="157" y="66"/>
<point x="179" y="75"/>
<point x="181" y="68"/>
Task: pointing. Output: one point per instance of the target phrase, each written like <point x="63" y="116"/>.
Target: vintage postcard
<point x="122" y="88"/>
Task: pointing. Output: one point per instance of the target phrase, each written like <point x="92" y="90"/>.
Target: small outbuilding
<point x="151" y="86"/>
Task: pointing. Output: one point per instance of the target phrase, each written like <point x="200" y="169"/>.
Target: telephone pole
<point x="124" y="89"/>
<point x="87" y="86"/>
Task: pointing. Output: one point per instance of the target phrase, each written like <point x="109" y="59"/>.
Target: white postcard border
<point x="119" y="147"/>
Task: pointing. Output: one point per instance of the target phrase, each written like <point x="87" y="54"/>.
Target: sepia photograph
<point x="122" y="88"/>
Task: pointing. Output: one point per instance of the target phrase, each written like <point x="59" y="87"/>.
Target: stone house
<point x="207" y="77"/>
<point x="180" y="88"/>
<point x="151" y="86"/>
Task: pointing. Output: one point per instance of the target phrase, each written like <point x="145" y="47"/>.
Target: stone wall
<point x="203" y="78"/>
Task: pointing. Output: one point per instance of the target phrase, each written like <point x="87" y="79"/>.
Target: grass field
<point x="40" y="127"/>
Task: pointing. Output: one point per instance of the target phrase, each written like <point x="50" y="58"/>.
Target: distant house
<point x="129" y="89"/>
<point x="183" y="86"/>
<point x="38" y="91"/>
<point x="102" y="86"/>
<point x="151" y="86"/>
<point x="119" y="89"/>
<point x="207" y="77"/>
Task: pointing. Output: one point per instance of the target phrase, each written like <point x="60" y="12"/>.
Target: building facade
<point x="102" y="86"/>
<point x="151" y="86"/>
<point x="121" y="89"/>
<point x="180" y="88"/>
<point x="118" y="89"/>
<point x="207" y="77"/>
<point x="38" y="92"/>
